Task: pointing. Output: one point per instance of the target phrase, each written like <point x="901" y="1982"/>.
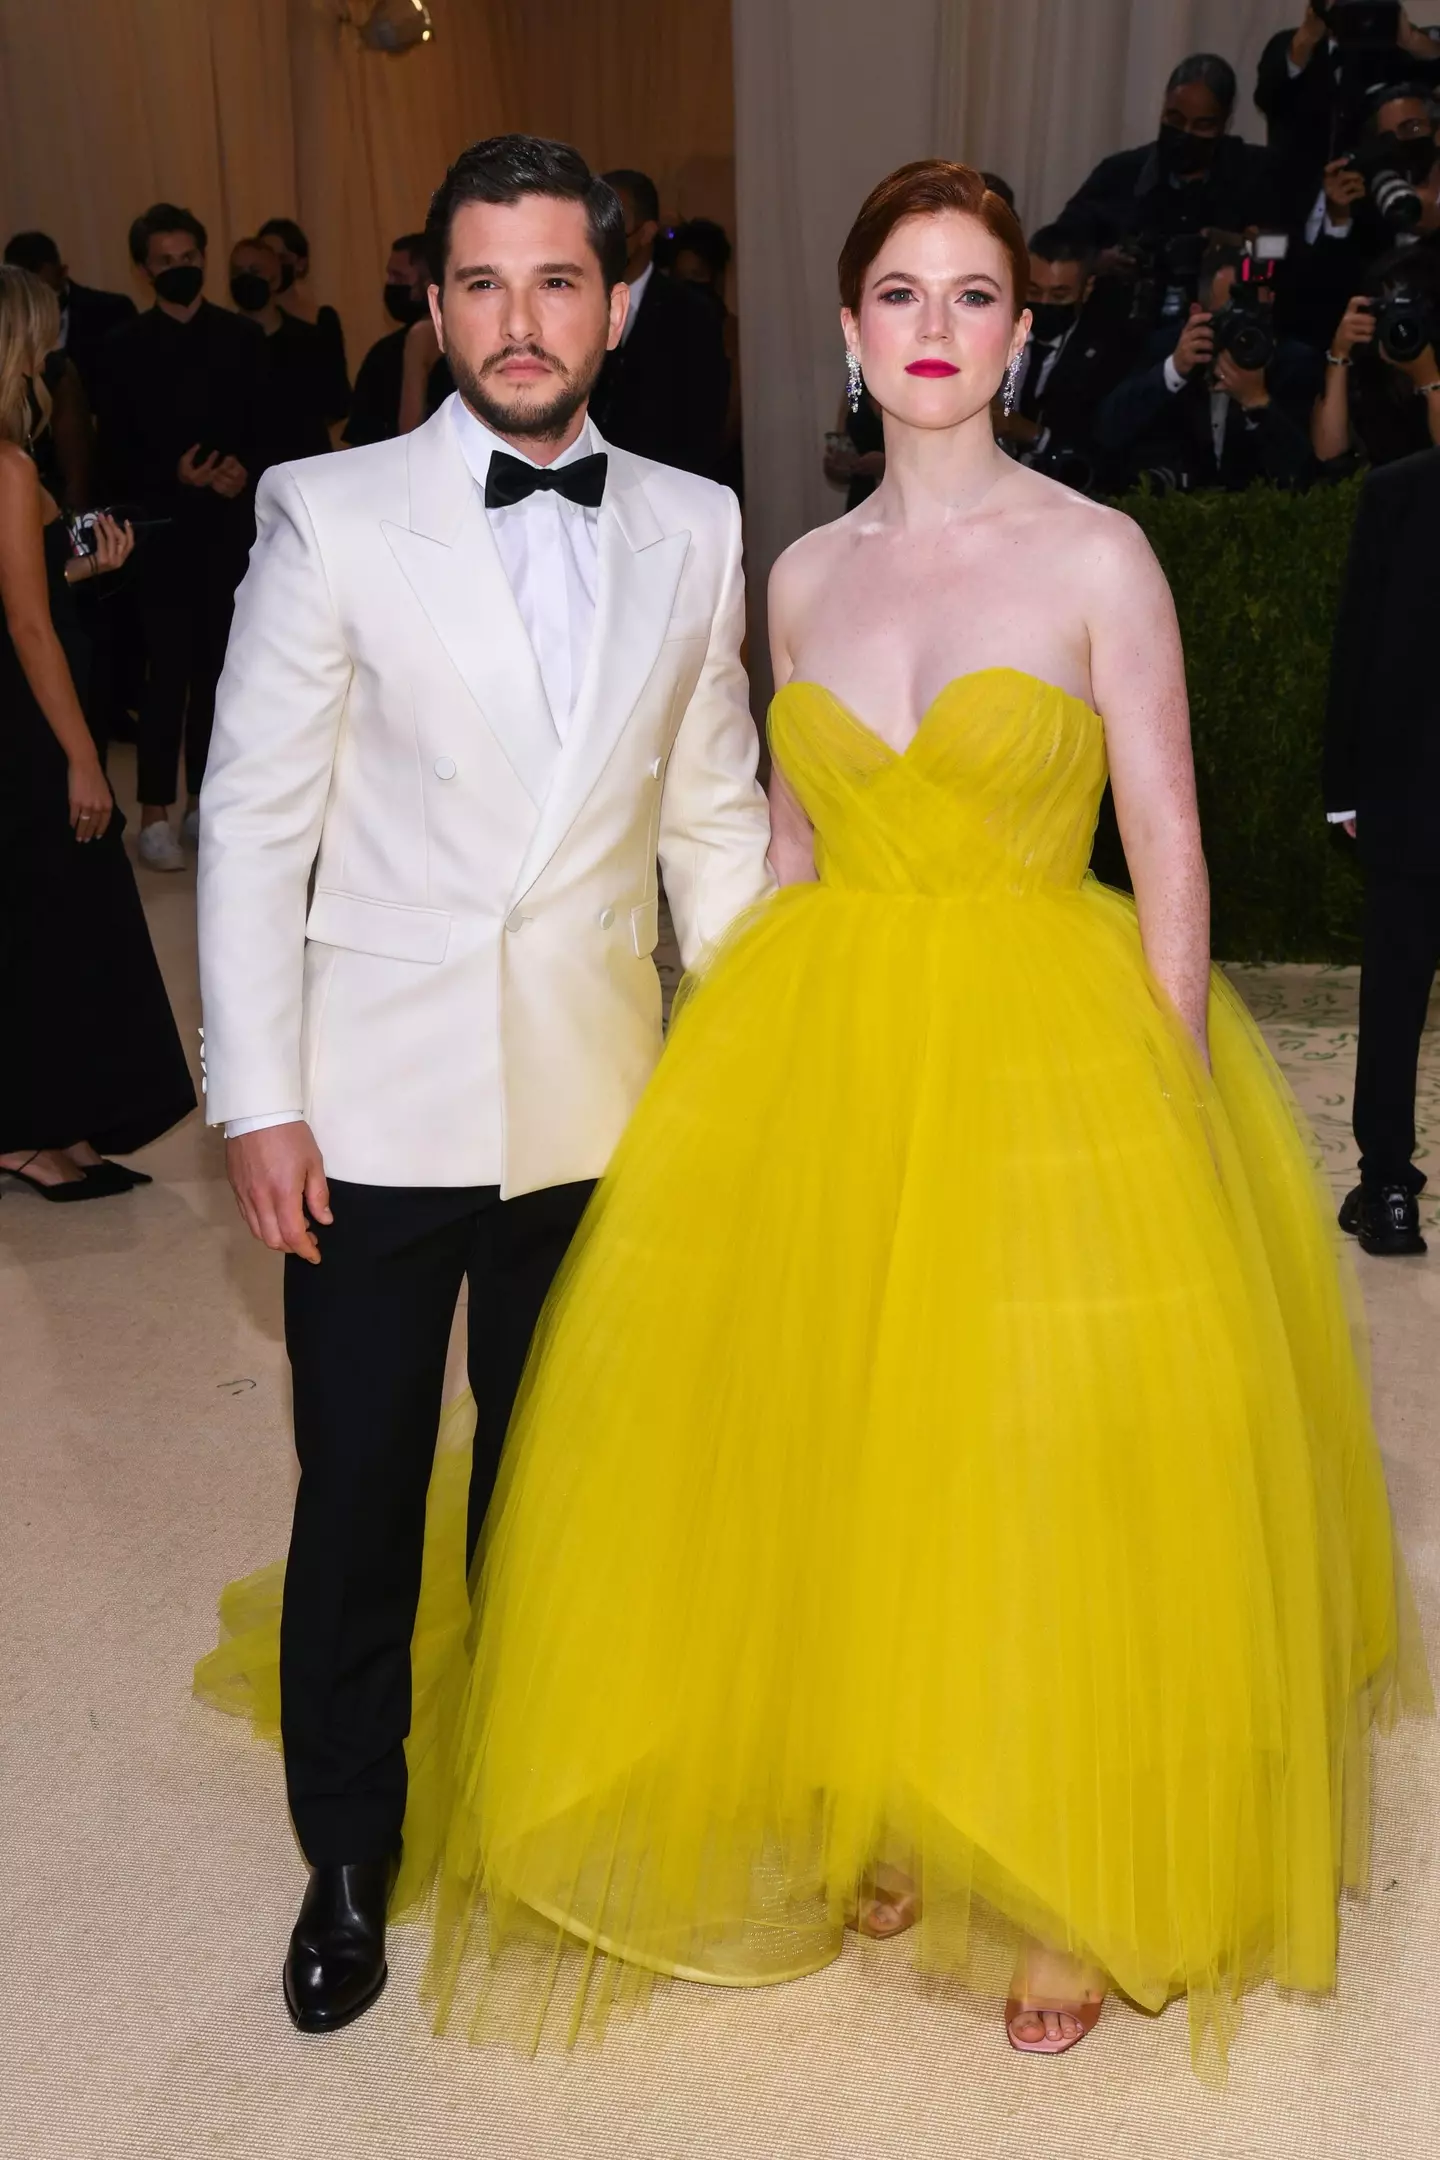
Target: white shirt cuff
<point x="1174" y="380"/>
<point x="240" y="1125"/>
<point x="1338" y="817"/>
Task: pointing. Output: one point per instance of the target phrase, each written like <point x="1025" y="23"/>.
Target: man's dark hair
<point x="1062" y="244"/>
<point x="999" y="185"/>
<point x="409" y="243"/>
<point x="289" y="234"/>
<point x="504" y="169"/>
<point x="1216" y="74"/>
<point x="1385" y="94"/>
<point x="32" y="251"/>
<point x="640" y="188"/>
<point x="164" y="217"/>
<point x="703" y="237"/>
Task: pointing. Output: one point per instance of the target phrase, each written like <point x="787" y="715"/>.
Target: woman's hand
<point x="91" y="802"/>
<point x="114" y="544"/>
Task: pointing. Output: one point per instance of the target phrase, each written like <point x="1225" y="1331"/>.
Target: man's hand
<point x="1415" y="42"/>
<point x="1196" y="348"/>
<point x="1347" y="825"/>
<point x="1344" y="187"/>
<point x="196" y="475"/>
<point x="277" y="1176"/>
<point x="230" y="478"/>
<point x="1356" y="327"/>
<point x="1247" y="386"/>
<point x="1308" y="39"/>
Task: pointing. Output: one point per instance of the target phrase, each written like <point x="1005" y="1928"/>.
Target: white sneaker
<point x="159" y="848"/>
<point x="190" y="828"/>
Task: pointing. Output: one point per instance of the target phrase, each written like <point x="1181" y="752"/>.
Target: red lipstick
<point x="931" y="367"/>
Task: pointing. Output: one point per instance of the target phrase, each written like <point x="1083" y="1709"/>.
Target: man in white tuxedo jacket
<point x="479" y="678"/>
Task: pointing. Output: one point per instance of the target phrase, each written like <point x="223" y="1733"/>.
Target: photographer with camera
<point x="1074" y="357"/>
<point x="1313" y="82"/>
<point x="1382" y="784"/>
<point x="1383" y="194"/>
<point x="1226" y="402"/>
<point x="1194" y="177"/>
<point x="1381" y="399"/>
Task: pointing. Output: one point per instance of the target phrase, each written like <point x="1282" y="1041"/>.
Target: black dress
<point x="91" y="1047"/>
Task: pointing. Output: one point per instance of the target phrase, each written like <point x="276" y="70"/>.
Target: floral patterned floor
<point x="1308" y="1015"/>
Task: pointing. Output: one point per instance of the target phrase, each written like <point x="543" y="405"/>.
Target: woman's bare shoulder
<point x="17" y="471"/>
<point x="807" y="561"/>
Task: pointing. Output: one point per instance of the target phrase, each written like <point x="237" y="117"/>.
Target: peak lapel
<point x="638" y="573"/>
<point x="450" y="560"/>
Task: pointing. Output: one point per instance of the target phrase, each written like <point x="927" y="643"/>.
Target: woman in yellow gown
<point x="943" y="1490"/>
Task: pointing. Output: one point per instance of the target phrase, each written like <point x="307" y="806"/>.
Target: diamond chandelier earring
<point x="1012" y="384"/>
<point x="854" y="382"/>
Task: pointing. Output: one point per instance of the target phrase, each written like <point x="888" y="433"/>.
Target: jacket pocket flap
<point x="381" y="927"/>
<point x="645" y="927"/>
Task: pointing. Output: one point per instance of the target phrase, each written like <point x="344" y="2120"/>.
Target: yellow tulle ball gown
<point x="946" y="1448"/>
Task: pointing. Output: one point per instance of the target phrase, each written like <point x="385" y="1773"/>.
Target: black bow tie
<point x="511" y="480"/>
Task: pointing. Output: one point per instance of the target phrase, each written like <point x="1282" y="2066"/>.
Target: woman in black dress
<point x="92" y="1061"/>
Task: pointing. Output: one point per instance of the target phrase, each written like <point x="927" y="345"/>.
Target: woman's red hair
<point x="925" y="189"/>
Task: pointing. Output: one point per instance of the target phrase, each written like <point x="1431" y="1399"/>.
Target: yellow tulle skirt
<point x="946" y="1448"/>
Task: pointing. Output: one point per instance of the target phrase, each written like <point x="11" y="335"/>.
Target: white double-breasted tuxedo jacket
<point x="422" y="917"/>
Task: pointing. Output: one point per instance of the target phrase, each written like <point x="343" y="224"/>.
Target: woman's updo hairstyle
<point x="924" y="189"/>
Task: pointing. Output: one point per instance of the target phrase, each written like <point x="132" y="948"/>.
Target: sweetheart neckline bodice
<point x="956" y="682"/>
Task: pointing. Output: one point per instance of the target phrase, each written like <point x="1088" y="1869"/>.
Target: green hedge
<point x="1256" y="577"/>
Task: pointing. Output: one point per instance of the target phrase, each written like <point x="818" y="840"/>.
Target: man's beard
<point x="553" y="410"/>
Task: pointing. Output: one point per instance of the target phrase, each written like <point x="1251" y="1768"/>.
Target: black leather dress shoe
<point x="335" y="1966"/>
<point x="1385" y="1218"/>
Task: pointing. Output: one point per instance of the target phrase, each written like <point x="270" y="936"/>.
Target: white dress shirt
<point x="550" y="550"/>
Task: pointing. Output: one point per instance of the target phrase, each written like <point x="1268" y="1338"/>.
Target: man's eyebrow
<point x="555" y="269"/>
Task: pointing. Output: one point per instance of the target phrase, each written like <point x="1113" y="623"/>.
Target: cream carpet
<point x="150" y="1876"/>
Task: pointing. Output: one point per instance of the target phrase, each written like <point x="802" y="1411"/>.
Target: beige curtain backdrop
<point x="248" y="109"/>
<point x="832" y="94"/>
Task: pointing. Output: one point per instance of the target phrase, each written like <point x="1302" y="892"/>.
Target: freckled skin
<point x="964" y="560"/>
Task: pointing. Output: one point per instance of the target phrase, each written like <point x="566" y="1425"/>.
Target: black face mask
<point x="1411" y="158"/>
<point x="250" y="291"/>
<point x="402" y="306"/>
<point x="1050" y="319"/>
<point x="1183" y="155"/>
<point x="180" y="284"/>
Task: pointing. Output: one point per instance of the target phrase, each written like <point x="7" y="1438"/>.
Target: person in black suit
<point x="183" y="414"/>
<point x="1194" y="177"/>
<point x="1345" y="231"/>
<point x="1312" y="90"/>
<point x="1197" y="414"/>
<point x="665" y="390"/>
<point x="293" y="249"/>
<point x="87" y="315"/>
<point x="375" y="403"/>
<point x="1076" y="354"/>
<point x="1382" y="783"/>
<point x="297" y="378"/>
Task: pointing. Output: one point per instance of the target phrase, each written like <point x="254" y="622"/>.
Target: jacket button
<point x="607" y="919"/>
<point x="445" y="768"/>
<point x="655" y="768"/>
<point x="516" y="923"/>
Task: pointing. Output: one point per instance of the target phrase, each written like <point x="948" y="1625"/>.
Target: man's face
<point x="640" y="234"/>
<point x="172" y="251"/>
<point x="1194" y="110"/>
<point x="55" y="275"/>
<point x="403" y="269"/>
<point x="1058" y="284"/>
<point x="524" y="318"/>
<point x="1407" y="118"/>
<point x="292" y="267"/>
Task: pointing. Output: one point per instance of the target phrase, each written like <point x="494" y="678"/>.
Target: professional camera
<point x="1071" y="467"/>
<point x="1371" y="25"/>
<point x="1406" y="321"/>
<point x="1167" y="275"/>
<point x="1245" y="326"/>
<point x="1392" y="169"/>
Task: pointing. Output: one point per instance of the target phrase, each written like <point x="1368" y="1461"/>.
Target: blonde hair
<point x="29" y="331"/>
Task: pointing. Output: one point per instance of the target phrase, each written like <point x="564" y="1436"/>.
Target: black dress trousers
<point x="367" y="1333"/>
<point x="1399" y="957"/>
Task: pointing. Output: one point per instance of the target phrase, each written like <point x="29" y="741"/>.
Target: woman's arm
<point x="792" y="836"/>
<point x="1137" y="669"/>
<point x="25" y="597"/>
